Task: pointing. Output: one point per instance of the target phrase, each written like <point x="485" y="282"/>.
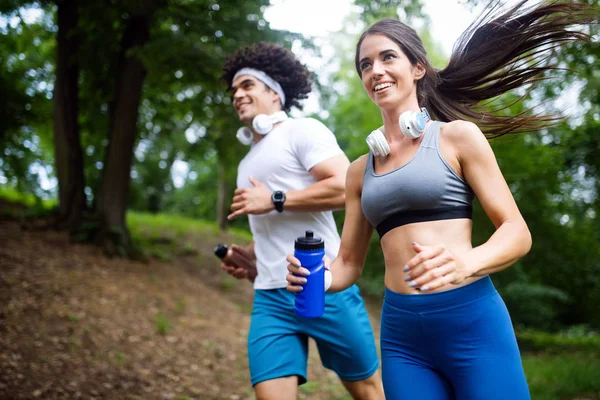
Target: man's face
<point x="252" y="97"/>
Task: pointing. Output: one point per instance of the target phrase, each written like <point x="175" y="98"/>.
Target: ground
<point x="75" y="324"/>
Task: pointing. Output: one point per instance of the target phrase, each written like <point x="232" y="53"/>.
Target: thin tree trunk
<point x="114" y="189"/>
<point x="67" y="145"/>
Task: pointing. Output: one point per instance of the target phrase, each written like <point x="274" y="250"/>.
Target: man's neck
<point x="257" y="137"/>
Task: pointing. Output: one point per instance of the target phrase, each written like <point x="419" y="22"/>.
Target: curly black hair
<point x="277" y="62"/>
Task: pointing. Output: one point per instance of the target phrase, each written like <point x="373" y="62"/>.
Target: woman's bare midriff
<point x="397" y="249"/>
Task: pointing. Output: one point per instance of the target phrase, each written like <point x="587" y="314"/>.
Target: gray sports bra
<point x="426" y="188"/>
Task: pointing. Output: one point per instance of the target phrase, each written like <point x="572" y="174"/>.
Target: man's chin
<point x="245" y="118"/>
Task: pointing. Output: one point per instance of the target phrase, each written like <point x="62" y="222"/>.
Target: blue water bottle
<point x="310" y="250"/>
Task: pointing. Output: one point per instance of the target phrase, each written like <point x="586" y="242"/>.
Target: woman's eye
<point x="364" y="65"/>
<point x="388" y="57"/>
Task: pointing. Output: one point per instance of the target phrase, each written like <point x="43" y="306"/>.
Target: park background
<point x="117" y="167"/>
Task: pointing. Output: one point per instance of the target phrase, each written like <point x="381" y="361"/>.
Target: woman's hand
<point x="296" y="276"/>
<point x="433" y="267"/>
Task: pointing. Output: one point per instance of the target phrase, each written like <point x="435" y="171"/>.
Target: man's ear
<point x="276" y="99"/>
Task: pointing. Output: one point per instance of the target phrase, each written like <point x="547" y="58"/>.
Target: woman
<point x="445" y="332"/>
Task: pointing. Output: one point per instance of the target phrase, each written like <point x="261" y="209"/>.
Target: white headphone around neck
<point x="412" y="125"/>
<point x="262" y="124"/>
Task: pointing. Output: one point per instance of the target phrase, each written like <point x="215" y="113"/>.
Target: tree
<point x="67" y="145"/>
<point x="123" y="66"/>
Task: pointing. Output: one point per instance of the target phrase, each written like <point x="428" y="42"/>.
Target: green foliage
<point x="534" y="305"/>
<point x="26" y="87"/>
<point x="576" y="338"/>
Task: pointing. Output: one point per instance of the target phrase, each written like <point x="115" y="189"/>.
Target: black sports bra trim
<point x="413" y="216"/>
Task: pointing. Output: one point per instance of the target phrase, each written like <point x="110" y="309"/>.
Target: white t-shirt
<point x="281" y="160"/>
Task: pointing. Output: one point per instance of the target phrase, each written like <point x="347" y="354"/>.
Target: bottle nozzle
<point x="221" y="250"/>
<point x="309" y="234"/>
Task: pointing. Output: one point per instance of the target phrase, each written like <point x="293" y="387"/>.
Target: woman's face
<point x="387" y="75"/>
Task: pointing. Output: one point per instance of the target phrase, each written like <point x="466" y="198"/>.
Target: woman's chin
<point x="386" y="104"/>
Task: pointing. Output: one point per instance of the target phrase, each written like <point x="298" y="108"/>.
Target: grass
<point x="561" y="366"/>
<point x="23" y="205"/>
<point x="563" y="376"/>
<point x="162" y="324"/>
<point x="165" y="236"/>
<point x="27" y="199"/>
<point x="157" y="225"/>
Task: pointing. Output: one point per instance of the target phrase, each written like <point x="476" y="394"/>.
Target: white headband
<point x="264" y="78"/>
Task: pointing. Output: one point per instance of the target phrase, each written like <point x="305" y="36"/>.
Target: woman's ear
<point x="419" y="71"/>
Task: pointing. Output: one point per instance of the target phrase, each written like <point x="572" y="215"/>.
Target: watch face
<point x="278" y="196"/>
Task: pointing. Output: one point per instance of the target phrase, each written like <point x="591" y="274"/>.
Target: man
<point x="290" y="180"/>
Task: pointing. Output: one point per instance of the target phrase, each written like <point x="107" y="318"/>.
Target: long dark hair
<point x="498" y="52"/>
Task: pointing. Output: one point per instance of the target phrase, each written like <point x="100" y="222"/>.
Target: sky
<point x="319" y="17"/>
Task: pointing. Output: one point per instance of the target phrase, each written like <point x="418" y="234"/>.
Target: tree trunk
<point x="114" y="189"/>
<point x="222" y="198"/>
<point x="67" y="145"/>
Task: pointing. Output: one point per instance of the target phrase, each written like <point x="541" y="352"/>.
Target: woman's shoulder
<point x="462" y="133"/>
<point x="459" y="128"/>
<point x="356" y="172"/>
<point x="359" y="164"/>
<point x="466" y="140"/>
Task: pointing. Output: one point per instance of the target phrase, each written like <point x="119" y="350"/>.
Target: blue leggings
<point x="457" y="344"/>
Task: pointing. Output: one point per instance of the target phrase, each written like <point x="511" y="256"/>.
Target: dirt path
<point x="77" y="325"/>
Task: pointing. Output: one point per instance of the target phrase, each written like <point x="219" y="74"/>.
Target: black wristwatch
<point x="278" y="198"/>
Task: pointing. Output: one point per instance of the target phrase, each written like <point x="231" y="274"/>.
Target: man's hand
<point x="254" y="200"/>
<point x="238" y="272"/>
<point x="244" y="268"/>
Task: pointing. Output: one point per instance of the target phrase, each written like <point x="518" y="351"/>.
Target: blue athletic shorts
<point x="457" y="344"/>
<point x="278" y="339"/>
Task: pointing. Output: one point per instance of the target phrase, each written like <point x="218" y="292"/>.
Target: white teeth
<point x="382" y="86"/>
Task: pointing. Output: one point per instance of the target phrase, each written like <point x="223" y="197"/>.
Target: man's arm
<point x="325" y="194"/>
<point x="250" y="250"/>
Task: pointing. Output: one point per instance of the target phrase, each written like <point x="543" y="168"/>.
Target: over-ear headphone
<point x="262" y="124"/>
<point x="412" y="125"/>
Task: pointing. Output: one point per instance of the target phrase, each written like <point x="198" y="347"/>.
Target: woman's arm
<point x="435" y="266"/>
<point x="512" y="239"/>
<point x="356" y="234"/>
